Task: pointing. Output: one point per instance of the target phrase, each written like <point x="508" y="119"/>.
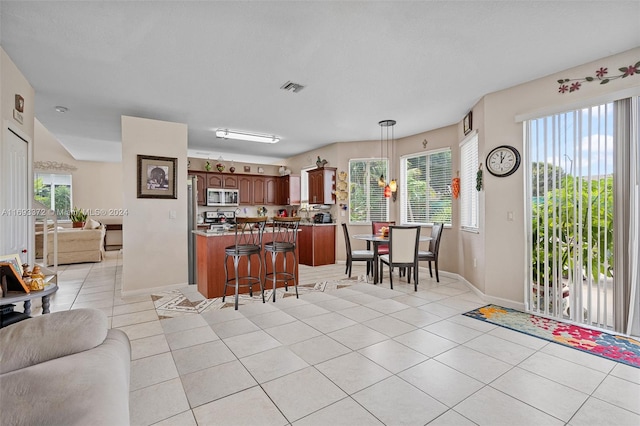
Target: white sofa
<point x="64" y="368"/>
<point x="75" y="245"/>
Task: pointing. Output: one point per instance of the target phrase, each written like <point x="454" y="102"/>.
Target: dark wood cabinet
<point x="220" y="180"/>
<point x="201" y="188"/>
<point x="317" y="244"/>
<point x="259" y="196"/>
<point x="322" y="185"/>
<point x="245" y="189"/>
<point x="271" y="190"/>
<point x="289" y="190"/>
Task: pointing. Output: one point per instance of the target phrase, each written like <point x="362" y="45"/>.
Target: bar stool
<point x="285" y="235"/>
<point x="248" y="242"/>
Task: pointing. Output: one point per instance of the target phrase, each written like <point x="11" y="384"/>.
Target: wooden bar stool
<point x="248" y="242"/>
<point x="285" y="236"/>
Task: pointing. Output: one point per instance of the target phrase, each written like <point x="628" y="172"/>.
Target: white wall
<point x="154" y="243"/>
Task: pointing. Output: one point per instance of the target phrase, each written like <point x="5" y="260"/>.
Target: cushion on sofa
<point x="91" y="224"/>
<point x="51" y="336"/>
<point x="86" y="388"/>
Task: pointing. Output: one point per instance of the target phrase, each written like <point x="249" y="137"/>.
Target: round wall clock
<point x="503" y="161"/>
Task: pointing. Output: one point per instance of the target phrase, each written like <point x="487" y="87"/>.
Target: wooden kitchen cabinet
<point x="245" y="189"/>
<point x="201" y="188"/>
<point x="289" y="190"/>
<point x="259" y="196"/>
<point x="317" y="244"/>
<point x="322" y="185"/>
<point x="271" y="190"/>
<point x="222" y="180"/>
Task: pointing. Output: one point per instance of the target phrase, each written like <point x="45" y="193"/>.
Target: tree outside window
<point x="366" y="198"/>
<point x="54" y="191"/>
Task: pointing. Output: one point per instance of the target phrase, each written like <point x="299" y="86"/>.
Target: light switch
<point x="172" y="214"/>
<point x="510" y="216"/>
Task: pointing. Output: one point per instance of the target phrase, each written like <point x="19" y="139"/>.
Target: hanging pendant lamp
<point x="391" y="187"/>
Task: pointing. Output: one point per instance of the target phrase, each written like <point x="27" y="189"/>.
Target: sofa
<point x="75" y="245"/>
<point x="64" y="368"/>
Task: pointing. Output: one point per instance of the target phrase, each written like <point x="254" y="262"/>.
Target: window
<point x="366" y="198"/>
<point x="54" y="191"/>
<point x="426" y="196"/>
<point x="468" y="192"/>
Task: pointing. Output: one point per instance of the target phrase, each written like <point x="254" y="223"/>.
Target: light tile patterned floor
<point x="358" y="355"/>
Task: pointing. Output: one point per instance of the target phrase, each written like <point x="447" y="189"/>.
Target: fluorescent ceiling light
<point x="244" y="136"/>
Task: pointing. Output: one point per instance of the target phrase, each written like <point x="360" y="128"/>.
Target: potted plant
<point x="78" y="217"/>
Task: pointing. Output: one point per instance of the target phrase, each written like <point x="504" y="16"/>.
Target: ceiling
<point x="221" y="65"/>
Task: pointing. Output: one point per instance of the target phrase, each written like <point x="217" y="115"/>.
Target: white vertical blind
<point x="571" y="224"/>
<point x="468" y="192"/>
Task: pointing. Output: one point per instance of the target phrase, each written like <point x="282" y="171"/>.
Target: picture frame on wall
<point x="466" y="123"/>
<point x="157" y="177"/>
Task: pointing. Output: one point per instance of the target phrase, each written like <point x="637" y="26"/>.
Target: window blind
<point x="366" y="198"/>
<point x="426" y="196"/>
<point x="468" y="192"/>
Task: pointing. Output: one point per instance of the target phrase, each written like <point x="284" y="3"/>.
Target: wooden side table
<point x="15" y="297"/>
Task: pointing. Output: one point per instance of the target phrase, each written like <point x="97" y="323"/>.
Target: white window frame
<point x="404" y="187"/>
<point x="469" y="196"/>
<point x="57" y="179"/>
<point x="368" y="202"/>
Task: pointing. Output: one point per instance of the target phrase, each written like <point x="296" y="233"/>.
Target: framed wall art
<point x="157" y="177"/>
<point x="466" y="123"/>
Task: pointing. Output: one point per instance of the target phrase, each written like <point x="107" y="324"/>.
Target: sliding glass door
<point x="581" y="166"/>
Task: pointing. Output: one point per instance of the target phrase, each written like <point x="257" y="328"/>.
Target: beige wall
<point x="12" y="82"/>
<point x="504" y="245"/>
<point x="97" y="186"/>
<point x="155" y="230"/>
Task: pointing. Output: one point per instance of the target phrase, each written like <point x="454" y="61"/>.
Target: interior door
<point x="15" y="218"/>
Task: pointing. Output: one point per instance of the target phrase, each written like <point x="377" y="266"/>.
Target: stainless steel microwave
<point x="222" y="197"/>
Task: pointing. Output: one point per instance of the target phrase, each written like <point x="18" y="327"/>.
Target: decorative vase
<point x="220" y="167"/>
<point x="78" y="224"/>
<point x="232" y="169"/>
<point x="207" y="166"/>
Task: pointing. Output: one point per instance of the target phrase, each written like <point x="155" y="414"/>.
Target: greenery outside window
<point x="426" y="195"/>
<point x="366" y="198"/>
<point x="54" y="191"/>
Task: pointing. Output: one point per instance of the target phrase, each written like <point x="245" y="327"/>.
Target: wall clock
<point x="503" y="161"/>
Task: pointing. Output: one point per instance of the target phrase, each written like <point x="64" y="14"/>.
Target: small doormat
<point x="616" y="348"/>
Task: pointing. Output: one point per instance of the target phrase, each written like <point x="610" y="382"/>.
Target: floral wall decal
<point x="568" y="85"/>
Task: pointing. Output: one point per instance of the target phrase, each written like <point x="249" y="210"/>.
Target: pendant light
<point x="391" y="187"/>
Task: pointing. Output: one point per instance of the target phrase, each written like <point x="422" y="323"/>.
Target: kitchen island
<point x="210" y="263"/>
<point x="317" y="243"/>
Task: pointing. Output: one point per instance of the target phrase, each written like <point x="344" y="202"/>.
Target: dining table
<point x="376" y="240"/>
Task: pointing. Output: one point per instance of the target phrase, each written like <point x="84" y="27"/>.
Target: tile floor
<point x="362" y="355"/>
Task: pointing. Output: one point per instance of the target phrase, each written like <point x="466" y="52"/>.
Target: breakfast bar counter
<point x="210" y="263"/>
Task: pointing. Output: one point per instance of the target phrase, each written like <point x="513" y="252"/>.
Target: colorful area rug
<point x="616" y="348"/>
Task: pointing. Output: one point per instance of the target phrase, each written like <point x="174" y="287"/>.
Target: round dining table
<point x="376" y="240"/>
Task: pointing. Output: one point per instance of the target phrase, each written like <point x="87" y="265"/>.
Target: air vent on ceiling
<point x="294" y="87"/>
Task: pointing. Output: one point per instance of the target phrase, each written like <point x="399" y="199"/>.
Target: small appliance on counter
<point x="322" y="218"/>
<point x="283" y="213"/>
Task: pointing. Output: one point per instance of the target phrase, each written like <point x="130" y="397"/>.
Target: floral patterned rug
<point x="616" y="348"/>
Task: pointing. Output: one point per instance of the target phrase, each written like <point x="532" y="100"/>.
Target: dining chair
<point x="402" y="253"/>
<point x="375" y="229"/>
<point x="356" y="255"/>
<point x="247" y="243"/>
<point x="434" y="247"/>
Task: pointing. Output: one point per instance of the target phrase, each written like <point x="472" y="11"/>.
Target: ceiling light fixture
<point x="61" y="109"/>
<point x="245" y="136"/>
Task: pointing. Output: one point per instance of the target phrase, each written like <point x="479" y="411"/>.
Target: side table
<point x="14" y="297"/>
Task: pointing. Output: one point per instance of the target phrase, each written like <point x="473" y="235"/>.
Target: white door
<point x="15" y="218"/>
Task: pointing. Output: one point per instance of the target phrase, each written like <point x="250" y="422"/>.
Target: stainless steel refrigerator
<point x="192" y="225"/>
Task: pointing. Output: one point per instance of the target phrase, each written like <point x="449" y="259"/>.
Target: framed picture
<point x="247" y="169"/>
<point x="466" y="123"/>
<point x="157" y="177"/>
<point x="13" y="259"/>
